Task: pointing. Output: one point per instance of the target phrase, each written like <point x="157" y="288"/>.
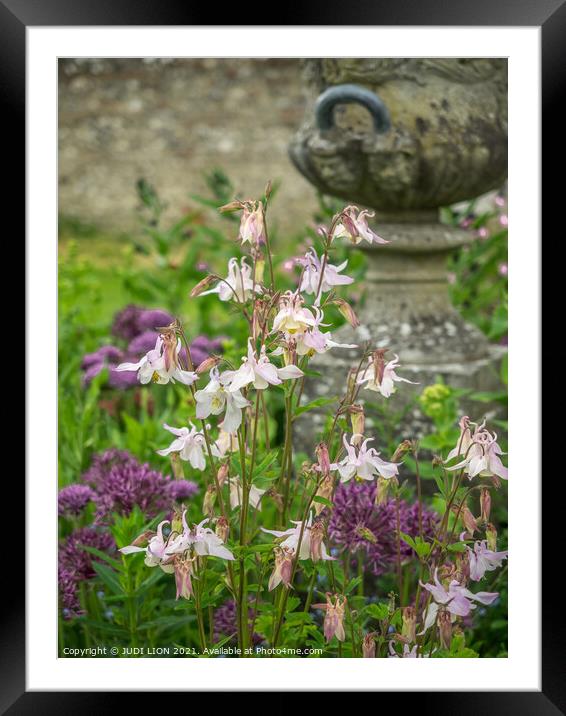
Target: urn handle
<point x="348" y="94"/>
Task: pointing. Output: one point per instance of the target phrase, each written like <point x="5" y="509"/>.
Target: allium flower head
<point x="75" y="559"/>
<point x="74" y="498"/>
<point x="356" y="517"/>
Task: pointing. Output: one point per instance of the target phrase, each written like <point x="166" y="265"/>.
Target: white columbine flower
<point x="381" y="376"/>
<point x="311" y="274"/>
<point x="479" y="450"/>
<point x="292" y="536"/>
<point x="189" y="444"/>
<point x="259" y="371"/>
<point x="160" y="367"/>
<point x="315" y="341"/>
<point x="217" y="397"/>
<point x="238" y="285"/>
<point x="363" y="463"/>
<point x="254" y="496"/>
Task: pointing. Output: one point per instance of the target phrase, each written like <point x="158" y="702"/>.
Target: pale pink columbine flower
<point x="408" y="651"/>
<point x="381" y="376"/>
<point x="314" y="340"/>
<point x="291" y="541"/>
<point x="159" y="366"/>
<point x="479" y="450"/>
<point x="353" y="225"/>
<point x="254" y="495"/>
<point x="200" y="540"/>
<point x="189" y="444"/>
<point x="503" y="269"/>
<point x="482" y="560"/>
<point x="259" y="371"/>
<point x="252" y="228"/>
<point x="238" y="285"/>
<point x="335" y="608"/>
<point x="363" y="463"/>
<point x="457" y="599"/>
<point x="155" y="551"/>
<point x="312" y="271"/>
<point x="293" y="318"/>
<point x="217" y="397"/>
<point x="504" y="220"/>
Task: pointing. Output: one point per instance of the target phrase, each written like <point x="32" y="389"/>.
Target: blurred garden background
<point x="148" y="151"/>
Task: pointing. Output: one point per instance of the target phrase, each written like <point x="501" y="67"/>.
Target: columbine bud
<point x="222" y="473"/>
<point x="469" y="520"/>
<point x="358" y="422"/>
<point x="444" y="622"/>
<point x="222" y="528"/>
<point x="391" y="604"/>
<point x="368" y="646"/>
<point x="409" y="627"/>
<point x="365" y="533"/>
<point x="325" y="490"/>
<point x="491" y="536"/>
<point x="170" y="347"/>
<point x="176" y="522"/>
<point x="144" y="537"/>
<point x="208" y="364"/>
<point x="485" y="504"/>
<point x="232" y="206"/>
<point x="317" y="532"/>
<point x="203" y="285"/>
<point x="283" y="568"/>
<point x="323" y="459"/>
<point x="268" y="189"/>
<point x="259" y="270"/>
<point x="347" y="311"/>
<point x="209" y="500"/>
<point x="177" y="466"/>
<point x="402" y="449"/>
<point x="383" y="486"/>
<point x="378" y="362"/>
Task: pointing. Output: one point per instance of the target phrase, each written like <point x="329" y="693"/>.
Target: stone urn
<point x="404" y="137"/>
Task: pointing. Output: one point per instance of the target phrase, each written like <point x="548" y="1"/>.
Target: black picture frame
<point x="550" y="15"/>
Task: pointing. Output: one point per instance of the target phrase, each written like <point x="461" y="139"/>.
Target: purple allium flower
<point x="202" y="347"/>
<point x="154" y="318"/>
<point x="121" y="482"/>
<point x="358" y="524"/>
<point x="142" y="343"/>
<point x="126" y="322"/>
<point x="77" y="561"/>
<point x="68" y="594"/>
<point x="100" y="356"/>
<point x="225" y="622"/>
<point x="182" y="489"/>
<point x="74" y="498"/>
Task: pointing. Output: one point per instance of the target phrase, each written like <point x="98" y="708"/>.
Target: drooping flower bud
<point x="207" y="364"/>
<point x="444" y="622"/>
<point x="222" y="473"/>
<point x="231" y="206"/>
<point x="491" y="536"/>
<point x="209" y="500"/>
<point x="317" y="533"/>
<point x="143" y="538"/>
<point x="222" y="528"/>
<point x="358" y="422"/>
<point x="177" y="466"/>
<point x="347" y="311"/>
<point x="365" y="533"/>
<point x="325" y="490"/>
<point x="252" y="224"/>
<point x="277" y="497"/>
<point x="402" y="449"/>
<point x="409" y="627"/>
<point x="485" y="504"/>
<point x="259" y="270"/>
<point x="383" y="485"/>
<point x="203" y="285"/>
<point x="283" y="568"/>
<point x="323" y="459"/>
<point x="368" y="646"/>
<point x="469" y="520"/>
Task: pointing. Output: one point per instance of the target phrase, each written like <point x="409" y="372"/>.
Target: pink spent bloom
<point x="353" y="225"/>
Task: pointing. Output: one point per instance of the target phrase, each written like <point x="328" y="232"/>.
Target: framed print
<point x="282" y="370"/>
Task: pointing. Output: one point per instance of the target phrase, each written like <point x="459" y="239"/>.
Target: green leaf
<point x="109" y="577"/>
<point x="322" y="501"/>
